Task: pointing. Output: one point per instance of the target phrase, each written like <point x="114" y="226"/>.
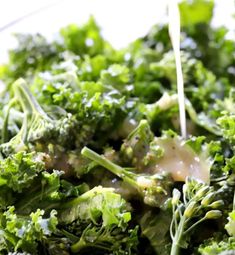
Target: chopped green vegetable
<point x="154" y="189"/>
<point x="199" y="204"/>
<point x="91" y="160"/>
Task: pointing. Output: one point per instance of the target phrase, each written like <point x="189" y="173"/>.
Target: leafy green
<point x="33" y="52"/>
<point x="195" y="12"/>
<point x="212" y="246"/>
<point x="115" y="75"/>
<point x="60" y="98"/>
<point x="155" y="227"/>
<point x="84" y="40"/>
<point x="19" y="170"/>
<point x="24" y="233"/>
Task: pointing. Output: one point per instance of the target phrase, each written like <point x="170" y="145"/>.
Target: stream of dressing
<point x="179" y="159"/>
<point x="174" y="31"/>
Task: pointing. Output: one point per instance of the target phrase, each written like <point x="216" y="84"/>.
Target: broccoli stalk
<point x="37" y="127"/>
<point x="153" y="189"/>
<point x="17" y="143"/>
<point x="5" y="122"/>
<point x="36" y="123"/>
<point x="109" y="239"/>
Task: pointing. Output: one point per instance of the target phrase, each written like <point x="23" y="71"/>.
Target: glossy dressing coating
<point x="181" y="161"/>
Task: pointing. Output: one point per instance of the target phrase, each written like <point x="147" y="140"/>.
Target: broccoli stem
<point x="115" y="169"/>
<point x="234" y="201"/>
<point x="81" y="244"/>
<point x="38" y="123"/>
<point x="175" y="248"/>
<point x="5" y="134"/>
<point x="78" y="246"/>
<point x="26" y="99"/>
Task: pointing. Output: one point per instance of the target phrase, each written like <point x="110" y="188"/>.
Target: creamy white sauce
<point x="181" y="161"/>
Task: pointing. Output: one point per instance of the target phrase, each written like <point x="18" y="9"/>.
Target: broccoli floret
<point x="199" y="203"/>
<point x="106" y="216"/>
<point x="154" y="189"/>
<point x="137" y="145"/>
<point x="37" y="125"/>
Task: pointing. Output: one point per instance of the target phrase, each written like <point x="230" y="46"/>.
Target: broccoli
<point x="106" y="215"/>
<point x="199" y="204"/>
<point x="37" y="125"/>
<point x="154" y="189"/>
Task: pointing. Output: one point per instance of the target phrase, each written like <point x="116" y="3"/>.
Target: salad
<point x="92" y="160"/>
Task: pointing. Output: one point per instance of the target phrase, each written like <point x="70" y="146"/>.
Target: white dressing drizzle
<point x="174" y="31"/>
<point x="179" y="159"/>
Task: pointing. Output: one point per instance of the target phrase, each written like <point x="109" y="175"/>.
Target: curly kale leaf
<point x="18" y="171"/>
<point x="204" y="39"/>
<point x="84" y="40"/>
<point x="115" y="75"/>
<point x="47" y="192"/>
<point x="227" y="124"/>
<point x="92" y="104"/>
<point x="196" y="12"/>
<point x="19" y="233"/>
<point x="32" y="53"/>
<point x="214" y="246"/>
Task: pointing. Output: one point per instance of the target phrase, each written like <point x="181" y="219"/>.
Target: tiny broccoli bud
<point x="202" y="192"/>
<point x="190" y="210"/>
<point x="213" y="214"/>
<point x="175" y="197"/>
<point x="185" y="188"/>
<point x="217" y="204"/>
<point x="207" y="199"/>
